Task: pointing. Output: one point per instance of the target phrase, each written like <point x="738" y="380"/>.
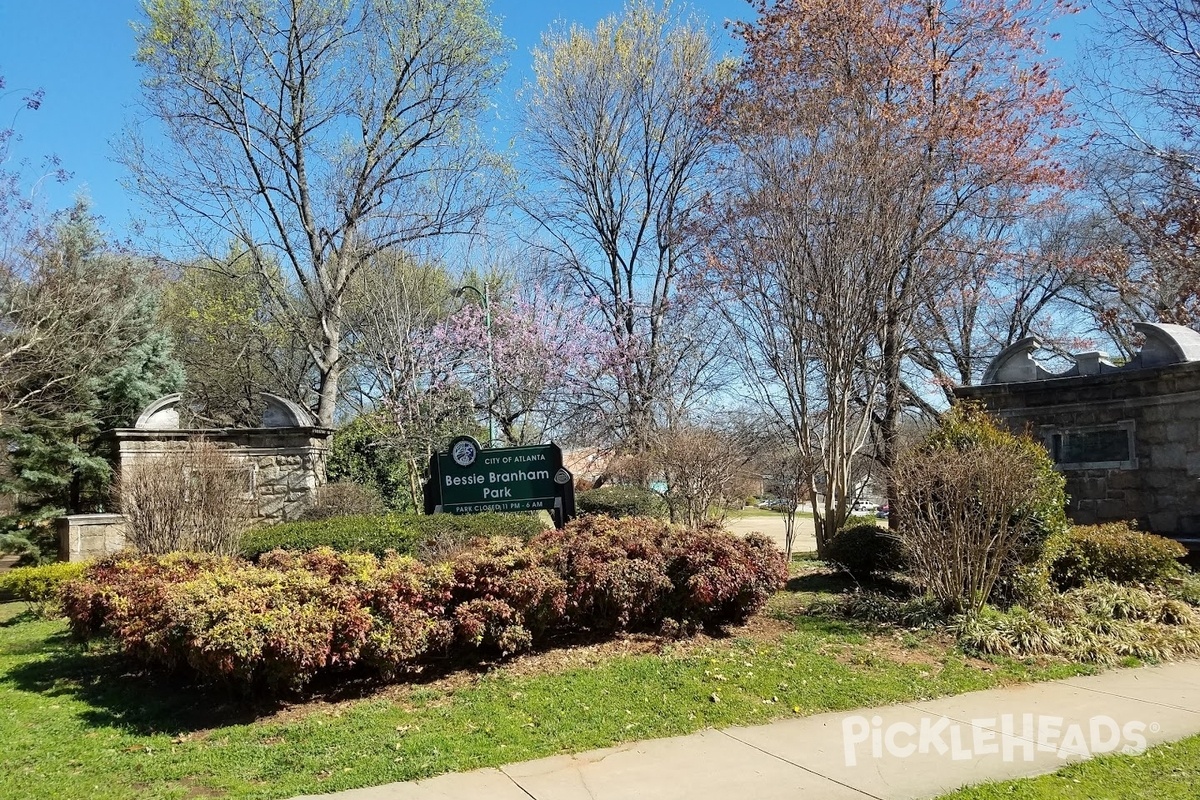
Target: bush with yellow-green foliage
<point x="1114" y="551"/>
<point x="40" y="586"/>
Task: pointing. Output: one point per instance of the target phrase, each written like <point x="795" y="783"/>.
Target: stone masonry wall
<point x="1158" y="410"/>
<point x="283" y="466"/>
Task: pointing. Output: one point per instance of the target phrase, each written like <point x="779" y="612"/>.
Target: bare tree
<point x="315" y="134"/>
<point x="796" y="281"/>
<point x="1142" y="85"/>
<point x="1009" y="278"/>
<point x="619" y="136"/>
<point x="871" y="130"/>
<point x="190" y="499"/>
<point x="704" y="469"/>
<point x="1144" y="77"/>
<point x="403" y="367"/>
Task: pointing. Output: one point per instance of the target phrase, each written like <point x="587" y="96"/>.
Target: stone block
<point x="1122" y="479"/>
<point x="1156" y="412"/>
<point x="85" y="536"/>
<point x="1082" y="513"/>
<point x="1164" y="522"/>
<point x="271" y="506"/>
<point x="1111" y="509"/>
<point x="1159" y="480"/>
<point x="1170" y="455"/>
<point x="1152" y="435"/>
<point x="1089" y="489"/>
<point x="1189" y="523"/>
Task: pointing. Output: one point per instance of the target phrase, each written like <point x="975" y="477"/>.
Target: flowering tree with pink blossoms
<point x="544" y="359"/>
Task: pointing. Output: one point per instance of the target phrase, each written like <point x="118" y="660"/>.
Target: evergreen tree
<point x="57" y="462"/>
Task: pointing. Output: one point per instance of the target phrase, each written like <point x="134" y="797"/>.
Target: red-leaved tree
<point x="875" y="140"/>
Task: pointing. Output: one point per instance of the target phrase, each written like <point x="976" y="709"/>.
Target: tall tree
<point x="620" y="140"/>
<point x="119" y="361"/>
<point x="1144" y="168"/>
<point x="37" y="306"/>
<point x="231" y="346"/>
<point x="315" y="134"/>
<point x="405" y="362"/>
<point x="1145" y="244"/>
<point x="873" y="128"/>
<point x="1014" y="277"/>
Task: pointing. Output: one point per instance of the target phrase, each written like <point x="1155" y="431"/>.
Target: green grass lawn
<point x="1167" y="772"/>
<point x="81" y="722"/>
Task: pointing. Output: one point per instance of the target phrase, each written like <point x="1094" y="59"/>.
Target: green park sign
<point x="469" y="479"/>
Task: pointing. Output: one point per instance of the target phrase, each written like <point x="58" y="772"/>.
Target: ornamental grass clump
<point x="1101" y="622"/>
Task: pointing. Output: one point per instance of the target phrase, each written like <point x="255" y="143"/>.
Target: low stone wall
<point x="84" y="536"/>
<point x="1128" y="442"/>
<point x="283" y="466"/>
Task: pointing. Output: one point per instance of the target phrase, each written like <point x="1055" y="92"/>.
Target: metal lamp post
<point x="485" y="296"/>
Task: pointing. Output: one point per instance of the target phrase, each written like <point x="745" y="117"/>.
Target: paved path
<point x="774" y="526"/>
<point x="912" y="750"/>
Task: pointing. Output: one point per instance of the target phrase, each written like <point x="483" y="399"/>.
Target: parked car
<point x="883" y="511"/>
<point x="863" y="507"/>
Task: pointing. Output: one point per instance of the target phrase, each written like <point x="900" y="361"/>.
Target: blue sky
<point x="80" y="53"/>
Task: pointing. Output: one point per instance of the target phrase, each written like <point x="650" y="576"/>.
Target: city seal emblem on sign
<point x="464" y="450"/>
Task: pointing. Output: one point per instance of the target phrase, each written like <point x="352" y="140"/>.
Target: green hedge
<point x="40" y="586"/>
<point x="404" y="533"/>
<point x="621" y="501"/>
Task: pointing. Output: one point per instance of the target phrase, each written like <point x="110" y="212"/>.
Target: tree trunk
<point x="889" y="425"/>
<point x="331" y="365"/>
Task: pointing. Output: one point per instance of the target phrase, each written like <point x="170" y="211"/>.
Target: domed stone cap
<point x="278" y="412"/>
<point x="1163" y="345"/>
<point x="1166" y="344"/>
<point x="1016" y="364"/>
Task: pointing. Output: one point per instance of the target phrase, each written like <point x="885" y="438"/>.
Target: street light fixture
<point x="485" y="296"/>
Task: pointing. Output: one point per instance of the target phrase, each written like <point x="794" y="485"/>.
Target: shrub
<point x="639" y="573"/>
<point x="974" y="503"/>
<point x="719" y="578"/>
<point x="439" y="536"/>
<point x="366" y="452"/>
<point x="374" y="535"/>
<point x="293" y="616"/>
<point x="188" y="499"/>
<point x="1113" y="552"/>
<point x="40" y="586"/>
<point x="621" y="501"/>
<point x="865" y="550"/>
<point x="344" y="499"/>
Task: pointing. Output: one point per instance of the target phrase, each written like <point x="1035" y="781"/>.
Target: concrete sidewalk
<point x="910" y="750"/>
